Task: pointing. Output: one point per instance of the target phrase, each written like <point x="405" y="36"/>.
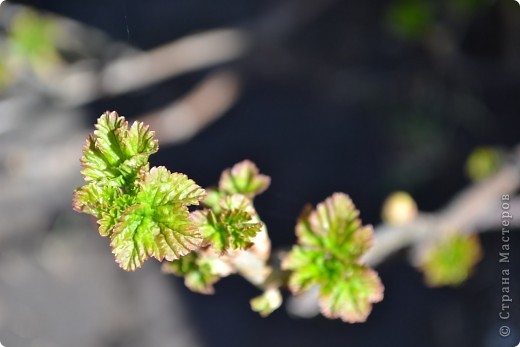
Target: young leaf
<point x="266" y="303"/>
<point x="200" y="271"/>
<point x="244" y="178"/>
<point x="158" y="224"/>
<point x="308" y="266"/>
<point x="104" y="201"/>
<point x="115" y="152"/>
<point x="331" y="241"/>
<point x="451" y="260"/>
<point x="212" y="199"/>
<point x="92" y="199"/>
<point x="114" y="158"/>
<point x="335" y="227"/>
<point x="351" y="296"/>
<point x="231" y="229"/>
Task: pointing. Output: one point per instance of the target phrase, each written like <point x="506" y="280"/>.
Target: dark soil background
<point x="340" y="103"/>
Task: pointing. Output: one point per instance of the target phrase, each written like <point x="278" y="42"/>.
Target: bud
<point x="399" y="208"/>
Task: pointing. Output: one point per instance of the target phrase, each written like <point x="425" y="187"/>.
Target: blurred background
<point x="364" y="97"/>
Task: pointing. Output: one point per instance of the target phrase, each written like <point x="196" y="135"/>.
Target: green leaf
<point x="331" y="242"/>
<point x="308" y="266"/>
<point x="91" y="199"/>
<point x="200" y="271"/>
<point x="266" y="303"/>
<point x="350" y="297"/>
<point x="104" y="201"/>
<point x="450" y="261"/>
<point x="160" y="187"/>
<point x="335" y="227"/>
<point x="231" y="229"/>
<point x="244" y="178"/>
<point x="158" y="224"/>
<point x="115" y="152"/>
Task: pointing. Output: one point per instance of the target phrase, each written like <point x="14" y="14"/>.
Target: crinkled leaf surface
<point x="104" y="201"/>
<point x="144" y="212"/>
<point x="244" y="178"/>
<point x="115" y="152"/>
<point x="231" y="229"/>
<point x="331" y="241"/>
<point x="114" y="158"/>
<point x="350" y="297"/>
<point x="158" y="224"/>
<point x="450" y="261"/>
<point x="336" y="225"/>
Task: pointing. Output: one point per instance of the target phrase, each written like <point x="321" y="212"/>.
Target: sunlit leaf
<point x="331" y="240"/>
<point x="231" y="229"/>
<point x="244" y="178"/>
<point x="114" y="159"/>
<point x="309" y="268"/>
<point x="350" y="298"/>
<point x="105" y="201"/>
<point x="335" y="222"/>
<point x="115" y="152"/>
<point x="158" y="225"/>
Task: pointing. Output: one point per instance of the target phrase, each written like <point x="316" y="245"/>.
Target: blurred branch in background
<point x="210" y="99"/>
<point x="143" y="69"/>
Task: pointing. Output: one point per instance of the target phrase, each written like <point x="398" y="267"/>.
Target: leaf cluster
<point x="331" y="241"/>
<point x="144" y="212"/>
<point x="228" y="224"/>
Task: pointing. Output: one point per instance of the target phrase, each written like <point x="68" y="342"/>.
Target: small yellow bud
<point x="399" y="208"/>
